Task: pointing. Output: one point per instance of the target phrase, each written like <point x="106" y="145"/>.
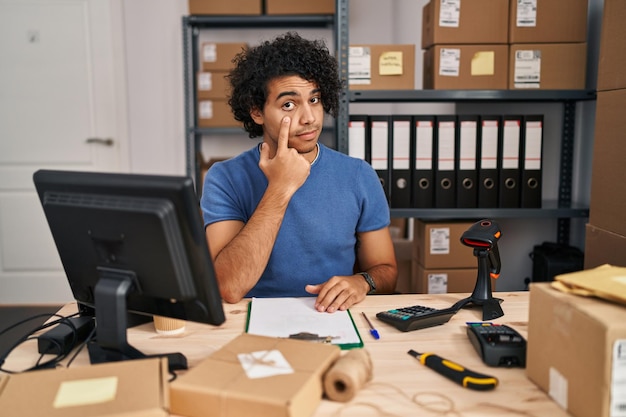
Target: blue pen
<point x="373" y="331"/>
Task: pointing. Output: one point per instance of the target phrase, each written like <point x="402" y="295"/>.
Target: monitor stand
<point x="111" y="343"/>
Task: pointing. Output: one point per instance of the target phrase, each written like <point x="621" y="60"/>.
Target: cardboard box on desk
<point x="382" y="67"/>
<point x="576" y="349"/>
<point x="466" y="67"/>
<point x="220" y="386"/>
<point x="438" y="245"/>
<point x="136" y="388"/>
<point x="477" y="22"/>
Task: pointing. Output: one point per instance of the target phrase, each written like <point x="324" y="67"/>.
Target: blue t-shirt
<point x="316" y="240"/>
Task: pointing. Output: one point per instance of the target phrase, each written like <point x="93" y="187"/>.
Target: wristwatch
<point x="370" y="282"/>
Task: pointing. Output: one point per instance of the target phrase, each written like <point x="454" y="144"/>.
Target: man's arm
<point x="240" y="252"/>
<point x="376" y="256"/>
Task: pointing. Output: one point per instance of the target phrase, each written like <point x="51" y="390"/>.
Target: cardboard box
<point x="612" y="61"/>
<point x="382" y="67"/>
<point x="438" y="245"/>
<point x="219" y="55"/>
<point x="225" y="7"/>
<point x="548" y="66"/>
<point x="441" y="281"/>
<point x="299" y="7"/>
<point x="603" y="247"/>
<point x="548" y="21"/>
<point x="466" y="67"/>
<point x="575" y="347"/>
<point x="475" y="22"/>
<point x="608" y="174"/>
<point x="216" y="113"/>
<point x="212" y="84"/>
<point x="220" y="386"/>
<point x="403" y="249"/>
<point x="113" y="387"/>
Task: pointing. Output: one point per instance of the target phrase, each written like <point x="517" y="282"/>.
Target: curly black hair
<point x="288" y="54"/>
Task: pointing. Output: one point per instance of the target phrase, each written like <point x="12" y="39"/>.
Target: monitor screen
<point x="130" y="243"/>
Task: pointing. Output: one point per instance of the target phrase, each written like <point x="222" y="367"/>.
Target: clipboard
<point x="285" y="317"/>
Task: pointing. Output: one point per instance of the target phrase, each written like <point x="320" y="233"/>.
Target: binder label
<point x="510" y="144"/>
<point x="356" y="139"/>
<point x="467" y="148"/>
<point x="379" y="145"/>
<point x="401" y="144"/>
<point x="445" y="150"/>
<point x="489" y="148"/>
<point x="424" y="145"/>
<point x="532" y="156"/>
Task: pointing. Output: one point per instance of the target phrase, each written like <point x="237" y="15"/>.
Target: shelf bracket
<point x="566" y="168"/>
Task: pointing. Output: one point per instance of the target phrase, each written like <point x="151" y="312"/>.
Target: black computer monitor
<point x="130" y="244"/>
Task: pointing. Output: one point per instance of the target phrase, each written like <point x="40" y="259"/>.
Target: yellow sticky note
<point x="86" y="392"/>
<point x="483" y="63"/>
<point x="390" y="63"/>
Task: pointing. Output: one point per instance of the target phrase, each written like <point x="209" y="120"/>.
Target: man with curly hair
<point x="292" y="217"/>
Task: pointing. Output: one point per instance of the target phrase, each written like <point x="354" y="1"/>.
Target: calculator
<point x="416" y="317"/>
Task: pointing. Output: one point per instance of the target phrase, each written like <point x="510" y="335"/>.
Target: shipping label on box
<point x="219" y="55"/>
<point x="548" y="66"/>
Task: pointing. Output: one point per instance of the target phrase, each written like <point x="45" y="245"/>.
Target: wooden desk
<point x="400" y="382"/>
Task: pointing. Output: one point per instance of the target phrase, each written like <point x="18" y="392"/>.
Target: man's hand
<point x="287" y="170"/>
<point x="339" y="292"/>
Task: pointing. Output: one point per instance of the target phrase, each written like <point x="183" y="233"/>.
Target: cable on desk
<point x="52" y="363"/>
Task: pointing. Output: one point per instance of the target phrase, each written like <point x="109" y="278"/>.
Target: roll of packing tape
<point x="348" y="375"/>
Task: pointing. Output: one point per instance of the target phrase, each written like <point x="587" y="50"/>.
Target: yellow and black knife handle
<point x="458" y="373"/>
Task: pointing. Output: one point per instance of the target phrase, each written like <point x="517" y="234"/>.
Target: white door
<point x="62" y="106"/>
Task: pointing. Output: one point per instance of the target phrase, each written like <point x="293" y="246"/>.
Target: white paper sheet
<point x="282" y="317"/>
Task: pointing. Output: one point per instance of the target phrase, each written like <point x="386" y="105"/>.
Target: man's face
<point x="300" y="100"/>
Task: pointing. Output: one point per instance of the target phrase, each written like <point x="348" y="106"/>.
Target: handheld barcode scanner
<point x="483" y="236"/>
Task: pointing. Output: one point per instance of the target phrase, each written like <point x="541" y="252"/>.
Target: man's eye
<point x="315" y="100"/>
<point x="288" y="106"/>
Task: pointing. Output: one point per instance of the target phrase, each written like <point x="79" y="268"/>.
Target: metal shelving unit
<point x="562" y="209"/>
<point x="192" y="25"/>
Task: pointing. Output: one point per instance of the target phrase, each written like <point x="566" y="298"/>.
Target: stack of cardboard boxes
<point x="212" y="84"/>
<point x="441" y="263"/>
<point x="606" y="231"/>
<point x="576" y="344"/>
<point x="504" y="44"/>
